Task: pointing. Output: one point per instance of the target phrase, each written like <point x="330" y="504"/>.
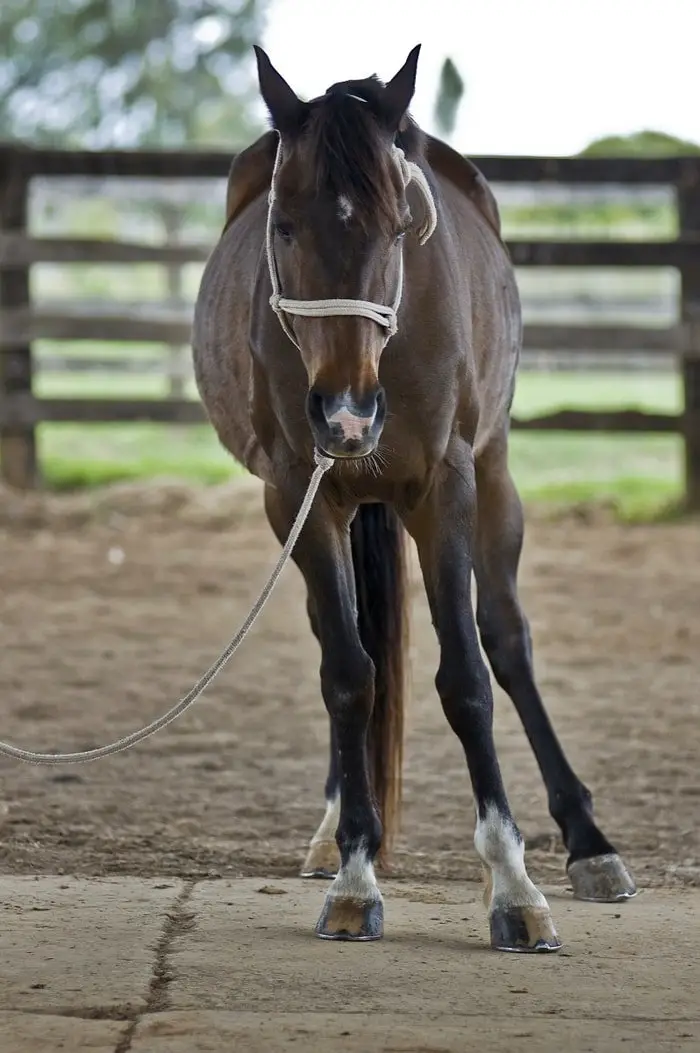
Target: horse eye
<point x="405" y="225"/>
<point x="284" y="231"/>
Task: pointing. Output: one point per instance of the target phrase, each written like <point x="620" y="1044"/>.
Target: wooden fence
<point x="21" y="323"/>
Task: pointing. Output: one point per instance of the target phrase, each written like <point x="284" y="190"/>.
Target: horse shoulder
<point x="464" y="175"/>
<point x="250" y="175"/>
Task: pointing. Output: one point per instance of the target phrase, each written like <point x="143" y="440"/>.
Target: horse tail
<point x="379" y="561"/>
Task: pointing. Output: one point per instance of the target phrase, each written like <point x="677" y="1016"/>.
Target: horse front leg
<point x="353" y="907"/>
<point x="443" y="527"/>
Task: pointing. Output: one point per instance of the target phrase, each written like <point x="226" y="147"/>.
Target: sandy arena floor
<point x="111" y="606"/>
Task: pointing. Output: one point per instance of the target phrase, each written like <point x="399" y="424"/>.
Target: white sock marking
<point x="356" y="880"/>
<point x="504" y="854"/>
<point x="329" y="823"/>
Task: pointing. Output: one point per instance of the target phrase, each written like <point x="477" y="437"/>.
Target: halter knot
<point x="413" y="173"/>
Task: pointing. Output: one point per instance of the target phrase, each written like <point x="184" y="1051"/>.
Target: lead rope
<point x="322" y="466"/>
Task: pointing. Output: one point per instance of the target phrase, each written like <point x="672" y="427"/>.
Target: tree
<point x="126" y="73"/>
<point x="449" y="97"/>
<point x="641" y="144"/>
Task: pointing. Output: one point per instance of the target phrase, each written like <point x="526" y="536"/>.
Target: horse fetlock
<point x="356" y="880"/>
<point x="323" y="857"/>
<point x="519" y="915"/>
<point x="581" y="836"/>
<point x="322" y="860"/>
<point x="576" y="804"/>
<point x="353" y="908"/>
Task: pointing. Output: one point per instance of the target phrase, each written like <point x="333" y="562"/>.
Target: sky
<point x="541" y="76"/>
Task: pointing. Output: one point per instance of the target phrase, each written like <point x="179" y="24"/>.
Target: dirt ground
<point x="112" y="605"/>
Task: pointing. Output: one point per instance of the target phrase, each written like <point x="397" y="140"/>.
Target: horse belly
<point x="221" y="351"/>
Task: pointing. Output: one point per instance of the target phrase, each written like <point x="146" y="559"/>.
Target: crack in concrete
<point x="112" y="1012"/>
<point x="178" y="921"/>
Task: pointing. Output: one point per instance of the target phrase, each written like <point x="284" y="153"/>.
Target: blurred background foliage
<point x="128" y="73"/>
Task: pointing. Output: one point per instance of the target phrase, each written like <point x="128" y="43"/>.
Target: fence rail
<point x="202" y="164"/>
<point x="22" y="322"/>
<point x="163" y="325"/>
<point x="16" y="250"/>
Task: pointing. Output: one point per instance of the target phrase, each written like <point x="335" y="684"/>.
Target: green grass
<point x="605" y="221"/>
<point x="537" y="393"/>
<point x="640" y="474"/>
<point x="93" y="455"/>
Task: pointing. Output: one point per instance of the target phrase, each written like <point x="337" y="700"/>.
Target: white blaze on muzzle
<point x="383" y="315"/>
<point x="352" y="426"/>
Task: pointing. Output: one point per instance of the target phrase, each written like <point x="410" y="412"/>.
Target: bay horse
<point x="361" y="305"/>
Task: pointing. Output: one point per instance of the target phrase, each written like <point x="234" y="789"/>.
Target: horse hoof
<point x="322" y="860"/>
<point x="351" y="919"/>
<point x="523" y="929"/>
<point x="601" y="879"/>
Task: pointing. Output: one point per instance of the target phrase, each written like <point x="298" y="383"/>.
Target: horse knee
<point x="507" y="643"/>
<point x="347" y="684"/>
<point x="465" y="693"/>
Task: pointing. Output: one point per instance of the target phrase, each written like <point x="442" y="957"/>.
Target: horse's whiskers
<point x="373" y="465"/>
<point x="378" y="462"/>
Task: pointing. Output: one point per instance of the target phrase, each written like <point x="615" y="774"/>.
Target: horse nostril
<point x="315" y="407"/>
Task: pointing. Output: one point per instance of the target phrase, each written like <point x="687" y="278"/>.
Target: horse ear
<point x="285" y="108"/>
<point x="398" y="93"/>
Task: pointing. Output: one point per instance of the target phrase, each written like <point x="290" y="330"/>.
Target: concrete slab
<point x="71" y="945"/>
<point x="27" y="1033"/>
<point x="223" y="1032"/>
<point x="254" y="951"/>
<point x="156" y="967"/>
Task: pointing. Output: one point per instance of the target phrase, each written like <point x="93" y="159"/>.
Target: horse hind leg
<point x="595" y="869"/>
<point x="323" y="858"/>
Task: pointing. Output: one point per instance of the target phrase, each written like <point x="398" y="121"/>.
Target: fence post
<point x="689" y="227"/>
<point x="18" y="464"/>
<point x="691" y="413"/>
<point x="171" y="215"/>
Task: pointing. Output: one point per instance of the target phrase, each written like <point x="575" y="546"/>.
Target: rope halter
<point x="382" y="314"/>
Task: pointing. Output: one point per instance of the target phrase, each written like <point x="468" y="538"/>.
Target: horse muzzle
<point x="344" y="426"/>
